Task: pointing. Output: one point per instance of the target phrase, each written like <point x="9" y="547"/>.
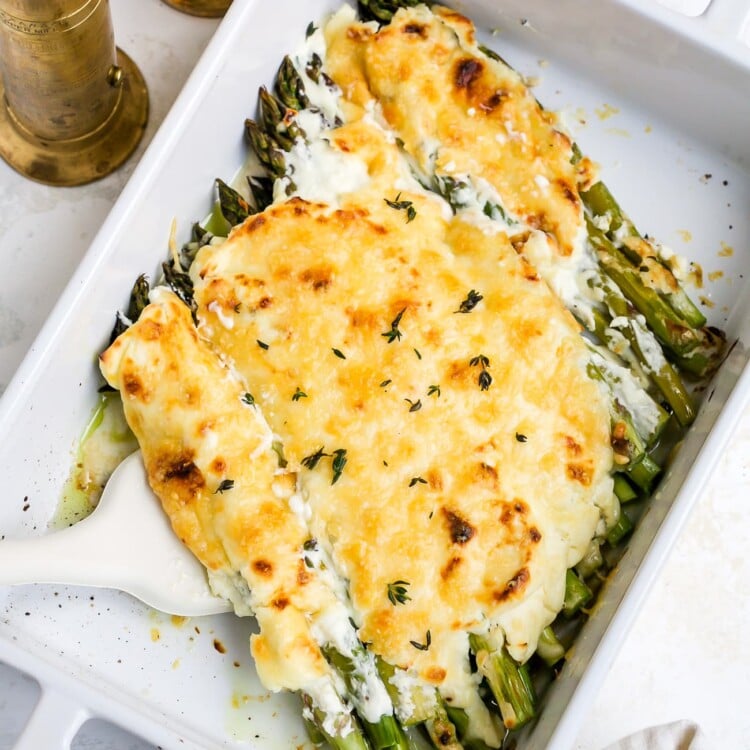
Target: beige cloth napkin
<point x="680" y="735"/>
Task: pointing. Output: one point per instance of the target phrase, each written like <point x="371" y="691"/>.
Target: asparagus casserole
<point x="396" y="411"/>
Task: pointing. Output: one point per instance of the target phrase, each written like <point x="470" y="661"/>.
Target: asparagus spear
<point x="289" y="86"/>
<point x="266" y="148"/>
<point x="549" y="648"/>
<point x="698" y="350"/>
<point x="383" y="10"/>
<point x="601" y="202"/>
<point x="386" y="732"/>
<point x="278" y="120"/>
<point x="315" y="720"/>
<point x="234" y="208"/>
<point x="508" y="680"/>
<point x="262" y="191"/>
<point x="577" y="593"/>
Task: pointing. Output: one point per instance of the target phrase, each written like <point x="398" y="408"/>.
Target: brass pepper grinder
<point x="204" y="8"/>
<point x="73" y="107"/>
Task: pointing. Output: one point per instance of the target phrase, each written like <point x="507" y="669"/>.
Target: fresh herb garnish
<point x="261" y="344"/>
<point x="310" y="545"/>
<point x="484" y="379"/>
<point x="417" y="480"/>
<point x="423" y="646"/>
<point x="480" y="360"/>
<point x="339" y="353"/>
<point x="248" y="398"/>
<point x="414" y="405"/>
<point x="521" y="438"/>
<point x="399" y="205"/>
<point x="386" y="383"/>
<point x="224" y="486"/>
<point x="298" y="394"/>
<point x="473" y="298"/>
<point x="394" y="334"/>
<point x="338" y="463"/>
<point x="397" y="592"/>
<point x="419" y="356"/>
<point x="311" y="461"/>
<point x="311" y="29"/>
<point x="434" y="390"/>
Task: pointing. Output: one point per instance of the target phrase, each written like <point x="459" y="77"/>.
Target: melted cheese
<point x="464" y="453"/>
<point x="196" y="434"/>
<point x="437" y="490"/>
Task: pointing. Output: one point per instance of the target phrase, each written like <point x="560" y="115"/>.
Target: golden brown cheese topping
<point x="460" y="112"/>
<point x="208" y="457"/>
<point x="440" y="440"/>
<point x="431" y="392"/>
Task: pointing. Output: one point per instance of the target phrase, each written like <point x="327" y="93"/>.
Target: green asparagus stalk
<point x="696" y="348"/>
<point x="508" y="680"/>
<point x="386" y="732"/>
<point x="644" y="473"/>
<point x="601" y="202"/>
<point x="637" y="334"/>
<point x="620" y="530"/>
<point x="549" y="648"/>
<point x="278" y="120"/>
<point x="262" y="191"/>
<point x="441" y="730"/>
<point x="577" y="593"/>
<point x="137" y="301"/>
<point x="592" y="560"/>
<point x="628" y="444"/>
<point x="623" y="489"/>
<point x="289" y="86"/>
<point x="266" y="149"/>
<point x="315" y="720"/>
<point x="383" y="10"/>
<point x="421" y="703"/>
<point x="234" y="208"/>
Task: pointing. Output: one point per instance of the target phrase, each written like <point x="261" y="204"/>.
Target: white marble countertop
<point x="687" y="655"/>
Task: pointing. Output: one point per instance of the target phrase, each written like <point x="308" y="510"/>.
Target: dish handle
<point x="53" y="724"/>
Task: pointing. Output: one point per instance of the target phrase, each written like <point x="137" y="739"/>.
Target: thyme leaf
<point x="521" y="438"/>
<point x="311" y="29"/>
<point x="414" y="405"/>
<point x="386" y="383"/>
<point x="423" y="646"/>
<point x="399" y="205"/>
<point x="480" y="360"/>
<point x="417" y="480"/>
<point x="224" y="486"/>
<point x="261" y="344"/>
<point x="248" y="398"/>
<point x="298" y="394"/>
<point x="484" y="380"/>
<point x="338" y="463"/>
<point x="311" y="461"/>
<point x="394" y="334"/>
<point x="473" y="298"/>
<point x="397" y="592"/>
<point x="434" y="390"/>
<point x="339" y="353"/>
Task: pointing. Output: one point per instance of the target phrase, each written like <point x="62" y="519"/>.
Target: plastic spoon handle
<point x="126" y="543"/>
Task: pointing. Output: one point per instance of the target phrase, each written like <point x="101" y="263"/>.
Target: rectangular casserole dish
<point x="634" y="82"/>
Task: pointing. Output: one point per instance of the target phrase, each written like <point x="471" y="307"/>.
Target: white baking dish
<point x="668" y="76"/>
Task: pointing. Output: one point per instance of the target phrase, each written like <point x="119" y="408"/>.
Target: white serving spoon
<point x="126" y="544"/>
